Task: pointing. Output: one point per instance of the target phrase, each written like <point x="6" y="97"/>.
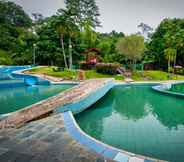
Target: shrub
<point x="107" y="68"/>
<point x="5" y="58"/>
<point x="179" y="71"/>
<point x="86" y="66"/>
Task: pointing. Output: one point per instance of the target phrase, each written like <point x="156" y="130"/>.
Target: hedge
<point x="107" y="68"/>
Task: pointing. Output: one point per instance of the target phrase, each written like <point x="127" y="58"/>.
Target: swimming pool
<point x="6" y="71"/>
<point x="179" y="88"/>
<point x="18" y="97"/>
<point x="138" y="119"/>
<point x="15" y="93"/>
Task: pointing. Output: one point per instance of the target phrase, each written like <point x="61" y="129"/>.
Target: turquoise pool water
<point x="138" y="119"/>
<point x="179" y="88"/>
<point x="12" y="99"/>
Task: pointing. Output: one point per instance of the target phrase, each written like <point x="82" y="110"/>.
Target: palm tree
<point x="66" y="27"/>
<point x="170" y="55"/>
<point x="61" y="30"/>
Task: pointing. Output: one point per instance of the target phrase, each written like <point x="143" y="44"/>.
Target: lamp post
<point x="34" y="52"/>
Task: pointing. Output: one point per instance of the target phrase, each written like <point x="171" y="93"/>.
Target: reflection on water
<point x="12" y="99"/>
<point x="140" y="120"/>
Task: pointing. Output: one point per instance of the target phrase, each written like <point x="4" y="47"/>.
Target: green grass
<point x="68" y="74"/>
<point x="155" y="76"/>
<point x="137" y="76"/>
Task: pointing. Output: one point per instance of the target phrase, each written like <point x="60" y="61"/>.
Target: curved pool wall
<point x="9" y="73"/>
<point x="93" y="144"/>
<point x="29" y="79"/>
<point x="84" y="103"/>
<point x="6" y="71"/>
<point x="98" y="146"/>
<point x="165" y="88"/>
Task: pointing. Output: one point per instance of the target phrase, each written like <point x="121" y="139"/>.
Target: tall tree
<point x="132" y="47"/>
<point x="84" y="10"/>
<point x="61" y="28"/>
<point x="14" y="30"/>
<point x="89" y="36"/>
<point x="66" y="26"/>
<point x="169" y="34"/>
<point x="170" y="55"/>
<point x="13" y="14"/>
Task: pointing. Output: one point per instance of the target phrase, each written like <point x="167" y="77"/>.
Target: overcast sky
<point x="119" y="15"/>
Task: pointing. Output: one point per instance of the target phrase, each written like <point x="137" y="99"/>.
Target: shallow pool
<point x="138" y="119"/>
<point x="179" y="88"/>
<point x="12" y="99"/>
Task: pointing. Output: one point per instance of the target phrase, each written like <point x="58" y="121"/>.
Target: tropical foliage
<point x="63" y="38"/>
<point x="15" y="39"/>
<point x="168" y="35"/>
<point x="132" y="47"/>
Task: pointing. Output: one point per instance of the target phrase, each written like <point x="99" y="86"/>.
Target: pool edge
<point x="163" y="88"/>
<point x="104" y="149"/>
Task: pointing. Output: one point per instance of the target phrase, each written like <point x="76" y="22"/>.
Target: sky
<point x="120" y="15"/>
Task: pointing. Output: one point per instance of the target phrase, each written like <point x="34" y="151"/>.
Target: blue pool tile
<point x="92" y="144"/>
<point x="110" y="153"/>
<point x="76" y="135"/>
<point x="148" y="160"/>
<point x="120" y="157"/>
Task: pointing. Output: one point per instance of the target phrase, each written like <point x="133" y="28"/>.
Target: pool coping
<point x="163" y="88"/>
<point x="105" y="150"/>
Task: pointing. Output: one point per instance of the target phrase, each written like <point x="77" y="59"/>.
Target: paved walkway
<point x="45" y="140"/>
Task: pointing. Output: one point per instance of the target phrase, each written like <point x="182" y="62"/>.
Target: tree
<point x="61" y="28"/>
<point x="65" y="26"/>
<point x="132" y="47"/>
<point x="88" y="36"/>
<point x="14" y="31"/>
<point x="107" y="45"/>
<point x="13" y="15"/>
<point x="83" y="10"/>
<point x="4" y="58"/>
<point x="145" y="30"/>
<point x="170" y="55"/>
<point x="169" y="34"/>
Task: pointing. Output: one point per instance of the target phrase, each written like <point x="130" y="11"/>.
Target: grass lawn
<point x="137" y="76"/>
<point x="154" y="76"/>
<point x="71" y="74"/>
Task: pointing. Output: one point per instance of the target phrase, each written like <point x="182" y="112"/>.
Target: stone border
<point x="100" y="147"/>
<point x="163" y="88"/>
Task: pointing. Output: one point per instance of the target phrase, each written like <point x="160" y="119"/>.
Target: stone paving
<point x="44" y="140"/>
<point x="34" y="111"/>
